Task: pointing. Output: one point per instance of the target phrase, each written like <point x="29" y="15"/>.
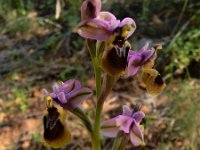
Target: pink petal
<point x="134" y="63"/>
<point x="55" y="88"/>
<point x="136" y="135"/>
<point x="146" y="55"/>
<point x="107" y="16"/>
<point x="144" y="48"/>
<point x="61" y="97"/>
<point x="53" y="95"/>
<point x="98" y="23"/>
<point x="109" y="128"/>
<point x="134" y="54"/>
<point x="95" y="29"/>
<point x="136" y="59"/>
<point x="124" y="123"/>
<point x="128" y="21"/>
<point x="131" y="71"/>
<point x="70" y="85"/>
<point x="138" y="116"/>
<point x="110" y="19"/>
<point x="76" y="97"/>
<point x="126" y="111"/>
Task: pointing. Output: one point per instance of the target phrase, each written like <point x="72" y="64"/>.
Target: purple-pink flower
<point x="98" y="25"/>
<point x="129" y="123"/>
<point x="136" y="59"/>
<point x="69" y="94"/>
<point x="125" y="62"/>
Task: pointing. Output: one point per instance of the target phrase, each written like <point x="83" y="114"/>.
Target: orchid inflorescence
<point x="112" y="58"/>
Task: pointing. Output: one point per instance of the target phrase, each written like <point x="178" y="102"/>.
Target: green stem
<point x="86" y="121"/>
<point x="97" y="77"/>
<point x="96" y="141"/>
<point x="96" y="144"/>
<point x="95" y="62"/>
<point x="101" y="91"/>
<point x="120" y="141"/>
<point x="106" y="88"/>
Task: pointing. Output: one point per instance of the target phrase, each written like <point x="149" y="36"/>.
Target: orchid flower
<point x="114" y="58"/>
<point x="104" y="26"/>
<point x="145" y="60"/>
<point x="151" y="77"/>
<point x="136" y="59"/>
<point x="69" y="95"/>
<point x="56" y="134"/>
<point x="64" y="97"/>
<point x="130" y="61"/>
<point x="129" y="123"/>
<point x="98" y="25"/>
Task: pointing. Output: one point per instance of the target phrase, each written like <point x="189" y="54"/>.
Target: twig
<point x="194" y="4"/>
<point x="180" y="17"/>
<point x="45" y="20"/>
<point x="182" y="29"/>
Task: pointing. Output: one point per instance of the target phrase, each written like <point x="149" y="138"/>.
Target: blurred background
<point x="38" y="47"/>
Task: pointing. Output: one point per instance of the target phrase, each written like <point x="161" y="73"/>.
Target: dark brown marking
<point x="118" y="30"/>
<point x="119" y="41"/>
<point x="116" y="61"/>
<point x="159" y="80"/>
<point x="53" y="128"/>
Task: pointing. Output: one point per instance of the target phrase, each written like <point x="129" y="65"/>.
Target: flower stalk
<point x="120" y="141"/>
<point x="101" y="91"/>
<point x="97" y="70"/>
<point x="84" y="118"/>
<point x="99" y="106"/>
<point x="107" y="84"/>
<point x="96" y="144"/>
